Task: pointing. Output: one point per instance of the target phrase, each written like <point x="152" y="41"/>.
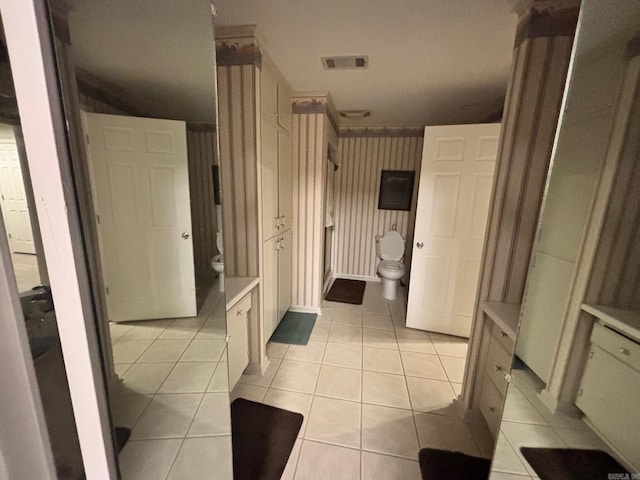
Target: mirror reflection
<point x="138" y="84"/>
<point x="571" y="410"/>
<point x="19" y="220"/>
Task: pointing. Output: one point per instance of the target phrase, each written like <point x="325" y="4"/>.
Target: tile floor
<point x="174" y="396"/>
<point x="372" y="393"/>
<point x="526" y="421"/>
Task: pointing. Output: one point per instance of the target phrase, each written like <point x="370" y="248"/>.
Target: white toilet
<point x="390" y="249"/>
<point x="217" y="262"/>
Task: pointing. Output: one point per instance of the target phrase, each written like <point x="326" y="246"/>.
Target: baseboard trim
<point x="366" y="278"/>
<point x="303" y="309"/>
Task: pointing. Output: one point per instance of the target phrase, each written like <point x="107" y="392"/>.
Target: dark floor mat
<point x="294" y="328"/>
<point x="346" y="291"/>
<point x="572" y="464"/>
<point x="441" y="464"/>
<point x="122" y="435"/>
<point x="263" y="437"/>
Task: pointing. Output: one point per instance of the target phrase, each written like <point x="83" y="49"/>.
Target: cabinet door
<point x="285" y="115"/>
<point x="270" y="286"/>
<point x="285" y="201"/>
<point x="609" y="398"/>
<point x="269" y="95"/>
<point x="238" y="346"/>
<point x="270" y="184"/>
<point x="284" y="274"/>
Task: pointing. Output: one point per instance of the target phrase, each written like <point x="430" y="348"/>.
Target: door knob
<point x="185" y="235"/>
<point x="419" y="244"/>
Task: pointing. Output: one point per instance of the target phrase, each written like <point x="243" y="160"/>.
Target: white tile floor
<point x="174" y="396"/>
<point x="526" y="421"/>
<point x="372" y="392"/>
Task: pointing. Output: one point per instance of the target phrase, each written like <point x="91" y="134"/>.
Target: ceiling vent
<point x="355" y="114"/>
<point x="341" y="63"/>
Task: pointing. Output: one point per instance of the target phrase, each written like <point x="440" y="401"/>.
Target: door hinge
<point x="108" y="292"/>
<point x="98" y="219"/>
<point x="86" y="137"/>
<point x="9" y="235"/>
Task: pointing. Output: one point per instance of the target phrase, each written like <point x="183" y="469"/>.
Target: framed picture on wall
<point x="396" y="189"/>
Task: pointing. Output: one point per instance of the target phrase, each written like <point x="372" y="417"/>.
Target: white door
<point x="453" y="203"/>
<point x="14" y="201"/>
<point x="270" y="286"/>
<point x="285" y="265"/>
<point x="140" y="185"/>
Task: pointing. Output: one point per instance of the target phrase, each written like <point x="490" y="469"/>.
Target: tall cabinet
<point x="275" y="128"/>
<point x="255" y="122"/>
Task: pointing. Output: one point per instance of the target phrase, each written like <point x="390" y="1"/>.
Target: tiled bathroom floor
<point x="372" y="393"/>
<point x="526" y="421"/>
<point x="174" y="396"/>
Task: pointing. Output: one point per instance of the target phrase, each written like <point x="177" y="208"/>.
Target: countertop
<point x="237" y="287"/>
<point x="626" y="322"/>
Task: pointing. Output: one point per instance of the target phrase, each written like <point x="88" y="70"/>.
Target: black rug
<point x="262" y="438"/>
<point x="572" y="464"/>
<point x="443" y="464"/>
<point x="346" y="291"/>
<point x="122" y="435"/>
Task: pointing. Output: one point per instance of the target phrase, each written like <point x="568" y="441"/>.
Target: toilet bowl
<point x="390" y="250"/>
<point x="217" y="262"/>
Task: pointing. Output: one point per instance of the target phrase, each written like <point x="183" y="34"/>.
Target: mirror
<point x="138" y="84"/>
<point x="19" y="221"/>
<point x="575" y="384"/>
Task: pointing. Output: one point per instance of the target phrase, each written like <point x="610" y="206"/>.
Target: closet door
<point x="270" y="183"/>
<point x="284" y="274"/>
<point x="285" y="113"/>
<point x="284" y="179"/>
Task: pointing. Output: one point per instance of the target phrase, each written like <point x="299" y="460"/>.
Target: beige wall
<point x="358" y="219"/>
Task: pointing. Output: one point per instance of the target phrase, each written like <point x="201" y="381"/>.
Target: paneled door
<point x="140" y="186"/>
<point x="454" y="192"/>
<point x="14" y="200"/>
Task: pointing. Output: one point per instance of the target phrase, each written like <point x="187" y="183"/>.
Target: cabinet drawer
<point x="625" y="350"/>
<point x="503" y="338"/>
<point x="498" y="364"/>
<point x="491" y="405"/>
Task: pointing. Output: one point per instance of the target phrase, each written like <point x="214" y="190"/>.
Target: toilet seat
<point x="391" y="265"/>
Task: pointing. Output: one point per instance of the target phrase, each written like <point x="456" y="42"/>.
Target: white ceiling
<point x="430" y="61"/>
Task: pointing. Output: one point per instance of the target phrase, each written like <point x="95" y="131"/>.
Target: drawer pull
<point x="502" y="334"/>
<point x="491" y="409"/>
<point x="499" y="368"/>
<point x="239" y="314"/>
<point x="624" y="351"/>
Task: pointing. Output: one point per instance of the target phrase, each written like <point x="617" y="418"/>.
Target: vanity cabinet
<point x="497" y="345"/>
<point x="238" y="339"/>
<point x="610" y="385"/>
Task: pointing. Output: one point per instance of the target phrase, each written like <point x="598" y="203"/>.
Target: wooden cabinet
<point x="276" y="183"/>
<point x="269" y="281"/>
<point x="497" y="344"/>
<point x="284" y="273"/>
<point x="610" y="388"/>
<point x="238" y="339"/>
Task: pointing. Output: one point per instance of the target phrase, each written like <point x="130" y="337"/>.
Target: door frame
<point x="31" y="53"/>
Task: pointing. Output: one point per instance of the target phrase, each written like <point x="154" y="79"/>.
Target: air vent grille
<point x="346" y="62"/>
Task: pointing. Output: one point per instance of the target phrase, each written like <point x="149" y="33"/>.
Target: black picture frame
<point x="396" y="189"/>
